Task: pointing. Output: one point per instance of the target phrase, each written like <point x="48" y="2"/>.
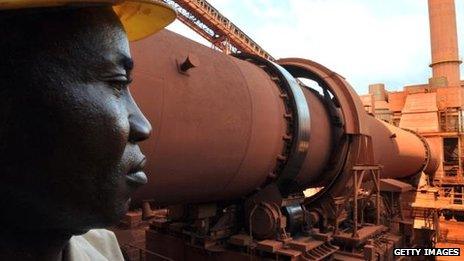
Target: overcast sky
<point x="366" y="41"/>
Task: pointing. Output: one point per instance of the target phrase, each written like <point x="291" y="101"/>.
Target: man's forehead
<point x="122" y="62"/>
<point x="90" y="28"/>
<point x="117" y="53"/>
<point x="83" y="44"/>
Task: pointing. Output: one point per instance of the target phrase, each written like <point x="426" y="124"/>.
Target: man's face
<point x="71" y="159"/>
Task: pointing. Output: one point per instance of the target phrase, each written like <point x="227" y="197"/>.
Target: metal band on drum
<point x="300" y="118"/>
<point x="428" y="151"/>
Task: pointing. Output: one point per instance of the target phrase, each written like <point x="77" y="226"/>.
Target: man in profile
<point x="69" y="128"/>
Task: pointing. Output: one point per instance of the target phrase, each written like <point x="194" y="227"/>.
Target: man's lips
<point x="136" y="175"/>
<point x="138" y="178"/>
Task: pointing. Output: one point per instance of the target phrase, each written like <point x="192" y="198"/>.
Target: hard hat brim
<point x="140" y="18"/>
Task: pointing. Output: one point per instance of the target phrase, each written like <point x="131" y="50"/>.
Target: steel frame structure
<point x="209" y="23"/>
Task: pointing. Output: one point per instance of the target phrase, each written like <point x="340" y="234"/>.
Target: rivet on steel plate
<point x="190" y="62"/>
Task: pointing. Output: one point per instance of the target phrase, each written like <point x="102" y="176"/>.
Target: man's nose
<point x="140" y="128"/>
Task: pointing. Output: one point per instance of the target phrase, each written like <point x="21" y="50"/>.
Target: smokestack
<point x="444" y="43"/>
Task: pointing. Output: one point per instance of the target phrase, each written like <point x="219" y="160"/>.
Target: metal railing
<point x="208" y="22"/>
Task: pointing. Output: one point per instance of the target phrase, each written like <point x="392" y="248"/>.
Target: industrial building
<point x="435" y="108"/>
<point x="240" y="137"/>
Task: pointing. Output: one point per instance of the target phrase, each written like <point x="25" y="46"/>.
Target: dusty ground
<point x="454" y="238"/>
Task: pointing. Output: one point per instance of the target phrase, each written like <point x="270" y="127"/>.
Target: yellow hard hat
<point x="140" y="18"/>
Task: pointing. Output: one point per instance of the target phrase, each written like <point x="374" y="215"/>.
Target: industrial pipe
<point x="225" y="127"/>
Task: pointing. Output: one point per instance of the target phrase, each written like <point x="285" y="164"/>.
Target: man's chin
<point x="118" y="213"/>
<point x="109" y="217"/>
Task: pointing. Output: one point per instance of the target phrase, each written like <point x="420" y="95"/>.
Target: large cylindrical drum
<point x="218" y="127"/>
<point x="226" y="127"/>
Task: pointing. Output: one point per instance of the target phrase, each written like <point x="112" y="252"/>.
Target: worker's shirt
<point x="95" y="245"/>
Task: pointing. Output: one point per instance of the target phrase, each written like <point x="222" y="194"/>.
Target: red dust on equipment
<point x="427" y="252"/>
<point x="248" y="160"/>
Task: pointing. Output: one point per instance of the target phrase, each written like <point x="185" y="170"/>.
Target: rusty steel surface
<point x="434" y="109"/>
<point x="396" y="100"/>
<point x="223" y="128"/>
<point x="420" y="113"/>
<point x="444" y="41"/>
<point x="351" y="106"/>
<point x="298" y="119"/>
<point x="378" y="91"/>
<point x="320" y="141"/>
<point x="391" y="144"/>
<point x="400" y="152"/>
<point x="218" y="129"/>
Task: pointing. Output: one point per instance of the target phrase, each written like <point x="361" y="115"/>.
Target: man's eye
<point x="119" y="85"/>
